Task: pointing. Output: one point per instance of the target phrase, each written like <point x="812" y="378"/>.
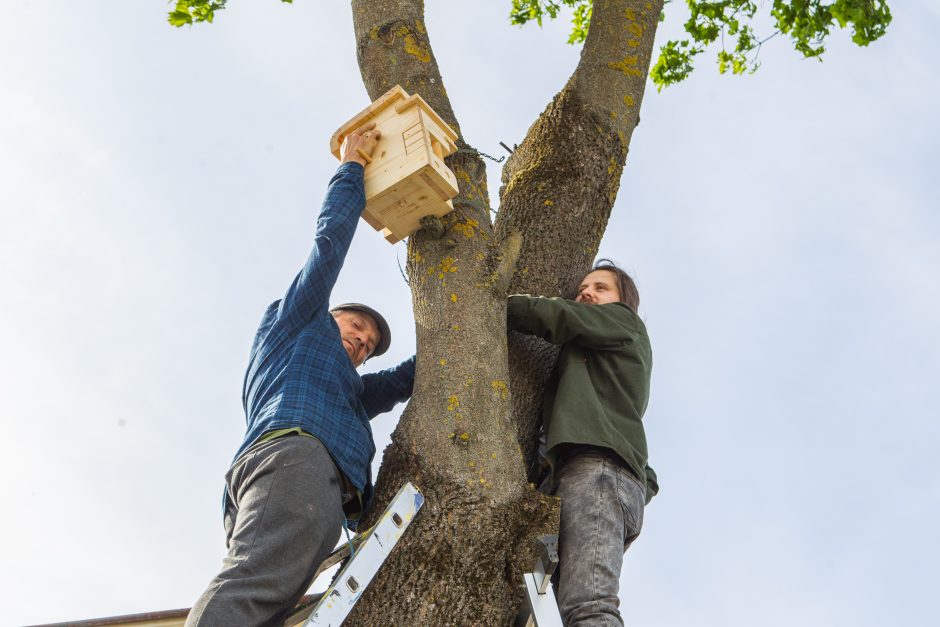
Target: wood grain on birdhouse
<point x="406" y="178"/>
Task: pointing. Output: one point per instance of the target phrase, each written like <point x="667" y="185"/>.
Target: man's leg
<point x="601" y="514"/>
<point x="285" y="519"/>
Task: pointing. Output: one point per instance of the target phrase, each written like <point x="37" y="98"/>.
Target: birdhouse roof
<point x="397" y="97"/>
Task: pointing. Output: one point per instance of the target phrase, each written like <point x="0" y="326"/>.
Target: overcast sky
<point x="159" y="187"/>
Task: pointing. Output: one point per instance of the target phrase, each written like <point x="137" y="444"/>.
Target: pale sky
<point x="159" y="187"/>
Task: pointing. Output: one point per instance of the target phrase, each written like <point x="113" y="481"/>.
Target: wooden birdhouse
<point x="406" y="178"/>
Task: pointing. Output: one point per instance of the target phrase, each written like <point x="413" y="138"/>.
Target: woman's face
<point x="598" y="287"/>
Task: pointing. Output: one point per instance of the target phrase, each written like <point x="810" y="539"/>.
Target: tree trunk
<point x="464" y="439"/>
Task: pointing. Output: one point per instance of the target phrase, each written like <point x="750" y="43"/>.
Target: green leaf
<point x="193" y="11"/>
<point x="581" y="22"/>
<point x="807" y="23"/>
<point x="181" y="15"/>
<point x="674" y="63"/>
<point x="179" y="18"/>
<point x="525" y="11"/>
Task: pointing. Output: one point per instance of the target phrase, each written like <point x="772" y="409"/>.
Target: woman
<point x="595" y="442"/>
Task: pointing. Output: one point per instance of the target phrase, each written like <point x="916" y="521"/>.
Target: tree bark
<point x="463" y="439"/>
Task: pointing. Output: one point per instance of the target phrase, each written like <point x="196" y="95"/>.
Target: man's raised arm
<point x="339" y="216"/>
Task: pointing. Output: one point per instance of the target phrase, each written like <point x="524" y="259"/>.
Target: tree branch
<point x="560" y="183"/>
<point x="393" y="48"/>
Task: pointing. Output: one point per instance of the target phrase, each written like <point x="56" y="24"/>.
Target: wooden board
<point x="407" y="178"/>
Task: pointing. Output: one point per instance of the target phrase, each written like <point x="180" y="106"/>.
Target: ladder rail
<point x="347" y="588"/>
<point x="541" y="609"/>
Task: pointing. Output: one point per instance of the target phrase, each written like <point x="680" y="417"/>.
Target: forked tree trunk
<point x="467" y="435"/>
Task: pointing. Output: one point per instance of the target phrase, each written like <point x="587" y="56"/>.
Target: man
<point x="595" y="443"/>
<point x="303" y="470"/>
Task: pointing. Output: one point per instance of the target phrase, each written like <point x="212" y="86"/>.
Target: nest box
<point x="406" y="178"/>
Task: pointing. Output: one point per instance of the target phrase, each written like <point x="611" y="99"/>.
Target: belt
<point x="347" y="489"/>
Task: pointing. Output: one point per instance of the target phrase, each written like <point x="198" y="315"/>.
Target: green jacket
<point x="600" y="387"/>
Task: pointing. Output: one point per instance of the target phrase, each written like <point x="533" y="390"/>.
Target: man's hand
<point x="358" y="145"/>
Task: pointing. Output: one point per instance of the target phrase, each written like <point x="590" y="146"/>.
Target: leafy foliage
<point x="192" y="11"/>
<point x="527" y="10"/>
<point x="806" y="23"/>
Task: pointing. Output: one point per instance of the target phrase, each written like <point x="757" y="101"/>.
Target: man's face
<point x="598" y="287"/>
<point x="359" y="333"/>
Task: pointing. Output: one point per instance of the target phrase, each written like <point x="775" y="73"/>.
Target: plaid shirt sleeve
<point x="345" y="199"/>
<point x="383" y="390"/>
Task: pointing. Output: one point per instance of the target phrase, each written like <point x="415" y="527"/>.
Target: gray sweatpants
<point x="601" y="515"/>
<point x="284" y="517"/>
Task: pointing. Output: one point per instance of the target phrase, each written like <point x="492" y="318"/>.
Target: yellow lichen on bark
<point x="468" y="189"/>
<point x="413" y="45"/>
<point x="520" y="176"/>
<point x="446" y="265"/>
<point x="628" y="65"/>
<point x="417" y="51"/>
<point x="467" y="227"/>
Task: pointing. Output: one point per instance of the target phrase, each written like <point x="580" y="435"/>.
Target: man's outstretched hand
<point x="358" y="145"/>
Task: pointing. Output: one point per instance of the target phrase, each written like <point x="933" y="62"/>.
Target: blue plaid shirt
<point x="299" y="374"/>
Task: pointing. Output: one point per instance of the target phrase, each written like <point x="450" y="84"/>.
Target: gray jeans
<point x="284" y="517"/>
<point x="601" y="515"/>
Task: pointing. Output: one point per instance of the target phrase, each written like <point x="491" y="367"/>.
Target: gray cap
<point x="385" y="334"/>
